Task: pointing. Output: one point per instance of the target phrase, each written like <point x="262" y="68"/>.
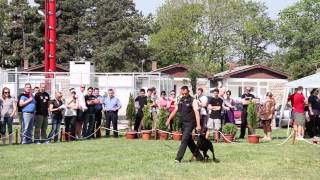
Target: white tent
<point x="312" y="81"/>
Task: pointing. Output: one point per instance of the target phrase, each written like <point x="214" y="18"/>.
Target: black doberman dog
<point x="203" y="144"/>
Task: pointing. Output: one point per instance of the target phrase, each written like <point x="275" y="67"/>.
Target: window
<point x="11" y="77"/>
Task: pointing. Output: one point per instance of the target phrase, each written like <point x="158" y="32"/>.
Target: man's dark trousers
<point x="186" y="141"/>
<point x="112" y="116"/>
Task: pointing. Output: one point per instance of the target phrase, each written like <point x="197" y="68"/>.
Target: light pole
<point x="143" y="61"/>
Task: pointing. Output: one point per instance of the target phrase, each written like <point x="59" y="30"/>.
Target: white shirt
<point x="82" y="101"/>
<point x="203" y="99"/>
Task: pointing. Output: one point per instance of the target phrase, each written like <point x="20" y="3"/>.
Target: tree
<point x="3" y="29"/>
<point x="20" y="41"/>
<point x="69" y="44"/>
<point x="254" y="32"/>
<point x="177" y="39"/>
<point x="119" y="39"/>
<point x="217" y="28"/>
<point x="299" y="36"/>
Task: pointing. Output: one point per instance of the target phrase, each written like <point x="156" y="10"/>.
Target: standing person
<point x="266" y="113"/>
<point x="88" y="125"/>
<point x="81" y="110"/>
<point x="171" y="106"/>
<point x="112" y="105"/>
<point x="202" y="103"/>
<point x="56" y="109"/>
<point x="140" y="102"/>
<point x="8" y="108"/>
<point x="42" y="99"/>
<point x="298" y="111"/>
<point x="19" y="108"/>
<point x="35" y="90"/>
<point x="28" y="105"/>
<point x="99" y="109"/>
<point x="245" y="99"/>
<point x="229" y="107"/>
<point x="163" y="100"/>
<point x="190" y="118"/>
<point x="154" y="107"/>
<point x="314" y="111"/>
<point x="70" y="116"/>
<point x="214" y="122"/>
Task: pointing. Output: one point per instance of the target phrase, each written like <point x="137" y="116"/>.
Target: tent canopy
<point x="312" y="81"/>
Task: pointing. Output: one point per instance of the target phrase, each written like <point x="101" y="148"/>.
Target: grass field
<point x="136" y="159"/>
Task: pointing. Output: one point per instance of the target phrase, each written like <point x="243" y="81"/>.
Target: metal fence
<point x="122" y="83"/>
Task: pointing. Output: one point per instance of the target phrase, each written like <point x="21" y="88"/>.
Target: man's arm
<point x="196" y="112"/>
<point x="118" y="105"/>
<point x="23" y="103"/>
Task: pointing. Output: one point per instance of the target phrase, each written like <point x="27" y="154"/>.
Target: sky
<point x="151" y="6"/>
<point x="274" y="6"/>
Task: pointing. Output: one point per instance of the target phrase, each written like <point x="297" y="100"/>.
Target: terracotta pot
<point x="146" y="135"/>
<point x="130" y="135"/>
<point x="177" y="135"/>
<point x="163" y="135"/>
<point x="228" y="138"/>
<point x="253" y="139"/>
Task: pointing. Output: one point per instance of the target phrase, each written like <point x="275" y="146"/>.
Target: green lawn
<point x="137" y="159"/>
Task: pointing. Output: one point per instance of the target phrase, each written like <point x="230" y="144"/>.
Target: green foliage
<point x="176" y="40"/>
<point x="131" y="111"/>
<point x="116" y="35"/>
<point x="252" y="117"/>
<point x="254" y="33"/>
<point x="299" y="33"/>
<point x="206" y="34"/>
<point x="230" y="128"/>
<point x="20" y="36"/>
<point x="162" y="118"/>
<point x="147" y="118"/>
<point x="177" y="122"/>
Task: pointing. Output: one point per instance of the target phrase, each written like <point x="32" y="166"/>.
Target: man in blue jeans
<point x="28" y="105"/>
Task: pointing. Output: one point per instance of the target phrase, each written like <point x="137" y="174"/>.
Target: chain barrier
<point x="140" y="132"/>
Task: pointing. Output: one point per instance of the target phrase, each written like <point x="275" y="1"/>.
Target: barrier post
<point x="61" y="134"/>
<point x="17" y="132"/>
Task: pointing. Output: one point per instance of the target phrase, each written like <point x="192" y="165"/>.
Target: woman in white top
<point x="8" y="108"/>
<point x="70" y="116"/>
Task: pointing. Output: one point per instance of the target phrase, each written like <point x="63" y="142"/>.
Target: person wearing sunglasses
<point x="8" y="112"/>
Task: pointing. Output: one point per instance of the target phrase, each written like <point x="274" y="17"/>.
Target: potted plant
<point x="131" y="114"/>
<point x="146" y="123"/>
<point x="161" y="125"/>
<point x="229" y="131"/>
<point x="176" y="133"/>
<point x="253" y="120"/>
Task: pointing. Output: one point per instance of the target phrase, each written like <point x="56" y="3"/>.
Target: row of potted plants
<point x="229" y="129"/>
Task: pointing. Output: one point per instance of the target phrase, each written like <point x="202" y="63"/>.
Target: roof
<point x="312" y="81"/>
<point x="40" y="67"/>
<point x="240" y="69"/>
<point x="172" y="66"/>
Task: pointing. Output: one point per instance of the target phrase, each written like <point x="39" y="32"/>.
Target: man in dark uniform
<point x="190" y="118"/>
<point x="245" y="99"/>
<point x="140" y="102"/>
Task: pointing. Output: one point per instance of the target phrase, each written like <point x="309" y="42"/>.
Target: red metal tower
<point x="50" y="37"/>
